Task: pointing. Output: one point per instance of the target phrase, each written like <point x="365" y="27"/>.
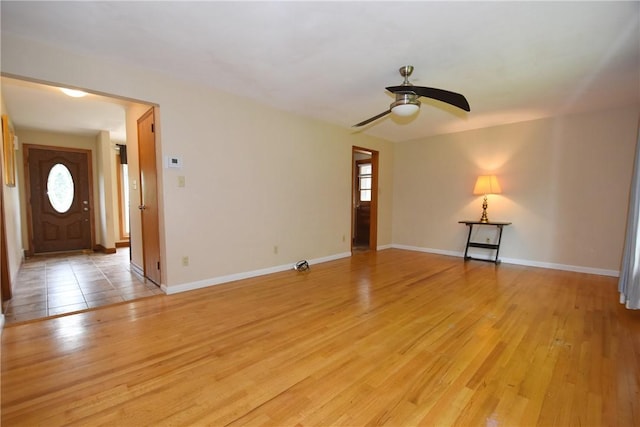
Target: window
<point x="364" y="181"/>
<point x="123" y="197"/>
<point x="60" y="188"/>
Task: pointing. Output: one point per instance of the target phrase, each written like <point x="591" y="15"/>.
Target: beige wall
<point x="108" y="190"/>
<point x="255" y="177"/>
<point x="565" y="183"/>
<point x="11" y="208"/>
<point x="135" y="226"/>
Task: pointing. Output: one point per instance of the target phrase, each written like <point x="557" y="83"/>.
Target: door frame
<point x="29" y="252"/>
<point x="373" y="217"/>
<point x="6" y="287"/>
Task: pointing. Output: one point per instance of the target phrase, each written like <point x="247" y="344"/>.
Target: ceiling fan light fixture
<point x="405" y="110"/>
<point x="406" y="104"/>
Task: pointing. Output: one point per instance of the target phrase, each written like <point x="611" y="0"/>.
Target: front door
<point x="59" y="186"/>
<point x="149" y="197"/>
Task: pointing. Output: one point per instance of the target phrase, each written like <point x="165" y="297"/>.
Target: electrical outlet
<point x="344" y="238"/>
<point x="185" y="261"/>
<point x="275" y="249"/>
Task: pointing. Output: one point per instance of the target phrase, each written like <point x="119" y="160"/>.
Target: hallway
<point x="64" y="283"/>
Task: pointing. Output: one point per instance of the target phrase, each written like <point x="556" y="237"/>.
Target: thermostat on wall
<point x="174" y="162"/>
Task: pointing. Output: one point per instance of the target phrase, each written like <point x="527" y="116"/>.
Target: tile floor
<point x="57" y="284"/>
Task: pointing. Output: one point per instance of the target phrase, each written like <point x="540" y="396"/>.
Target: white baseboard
<point x="528" y="263"/>
<point x="184" y="287"/>
<point x="190" y="286"/>
<point x="565" y="267"/>
<point x="1" y="323"/>
<point x="428" y="250"/>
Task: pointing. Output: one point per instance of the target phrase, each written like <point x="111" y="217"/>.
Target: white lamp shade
<point x="405" y="109"/>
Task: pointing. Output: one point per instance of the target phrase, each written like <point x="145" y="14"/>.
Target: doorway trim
<point x="6" y="287"/>
<point x="373" y="218"/>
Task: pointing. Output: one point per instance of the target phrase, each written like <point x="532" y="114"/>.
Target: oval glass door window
<point x="60" y="188"/>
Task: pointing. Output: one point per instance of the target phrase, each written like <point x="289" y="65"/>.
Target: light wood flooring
<point x="393" y="337"/>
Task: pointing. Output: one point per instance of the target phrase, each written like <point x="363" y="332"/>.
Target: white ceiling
<point x="331" y="61"/>
<point x="38" y="106"/>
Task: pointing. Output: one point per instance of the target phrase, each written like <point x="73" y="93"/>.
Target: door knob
<point x="142" y="207"/>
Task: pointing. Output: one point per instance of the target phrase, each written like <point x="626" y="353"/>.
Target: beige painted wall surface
<point x="255" y="177"/>
<point x="257" y="181"/>
<point x="135" y="226"/>
<point x="108" y="190"/>
<point x="11" y="208"/>
<point x="565" y="183"/>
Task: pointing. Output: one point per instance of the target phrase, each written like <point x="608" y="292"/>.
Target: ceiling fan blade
<point x="452" y="98"/>
<point x="372" y="119"/>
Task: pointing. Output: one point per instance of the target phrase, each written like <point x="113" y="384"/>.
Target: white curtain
<point x="629" y="283"/>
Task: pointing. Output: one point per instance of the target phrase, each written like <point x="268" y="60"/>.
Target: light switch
<point x="181" y="181"/>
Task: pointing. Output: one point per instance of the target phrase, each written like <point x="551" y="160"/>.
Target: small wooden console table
<point x="492" y="246"/>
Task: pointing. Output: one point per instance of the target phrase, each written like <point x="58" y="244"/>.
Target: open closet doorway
<point x="364" y="218"/>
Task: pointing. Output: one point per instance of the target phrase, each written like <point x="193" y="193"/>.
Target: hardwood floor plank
<point x="382" y="338"/>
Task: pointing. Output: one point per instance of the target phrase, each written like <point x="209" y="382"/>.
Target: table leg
<point x="466" y="250"/>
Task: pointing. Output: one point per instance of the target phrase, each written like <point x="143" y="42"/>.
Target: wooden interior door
<point x="59" y="187"/>
<point x="149" y="197"/>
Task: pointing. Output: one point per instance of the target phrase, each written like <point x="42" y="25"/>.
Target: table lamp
<point x="486" y="184"/>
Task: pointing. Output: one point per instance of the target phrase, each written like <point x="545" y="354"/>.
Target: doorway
<point x="127" y="111"/>
<point x="59" y="189"/>
<point x="364" y="218"/>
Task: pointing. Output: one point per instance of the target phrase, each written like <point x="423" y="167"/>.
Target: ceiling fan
<point x="407" y="95"/>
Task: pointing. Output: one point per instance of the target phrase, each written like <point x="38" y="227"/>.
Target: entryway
<point x="74" y="201"/>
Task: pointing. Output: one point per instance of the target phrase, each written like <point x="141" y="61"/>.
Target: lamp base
<point x="484" y="217"/>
